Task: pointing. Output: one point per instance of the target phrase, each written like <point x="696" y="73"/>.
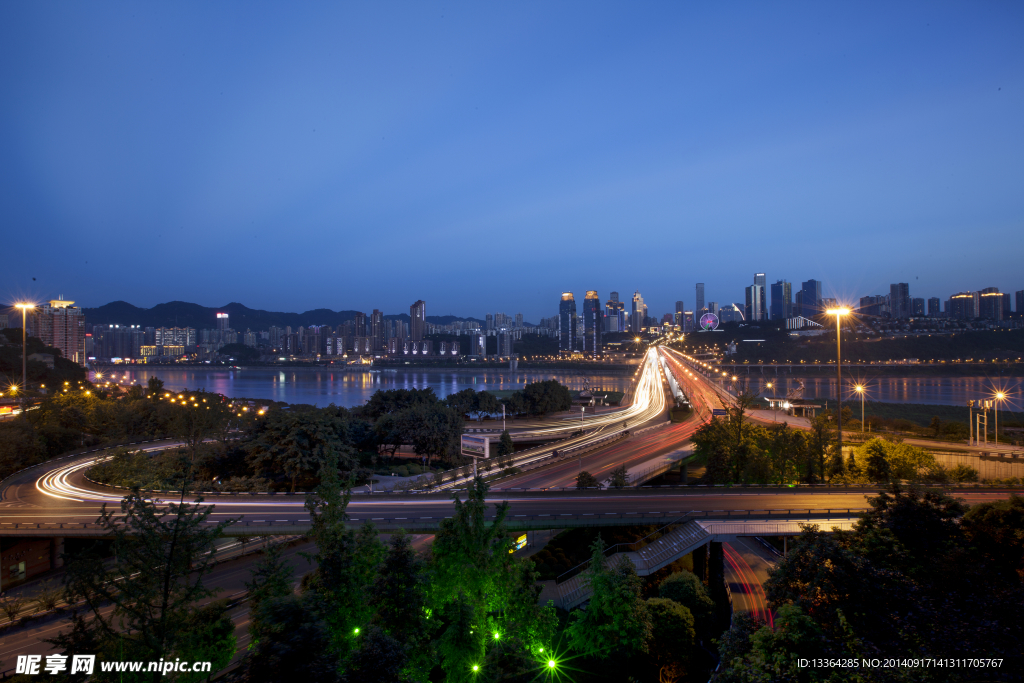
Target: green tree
<point x="291" y="445"/>
<point x="619" y="478"/>
<point x="292" y="637"/>
<point x="996" y="530"/>
<point x="672" y="637"/>
<point x="585" y="480"/>
<point x="616" y="621"/>
<point x="397" y="597"/>
<point x="689" y="591"/>
<point x="346" y="559"/>
<point x="505" y="445"/>
<point x="155" y="387"/>
<point x="379" y="658"/>
<point x="156" y="579"/>
<point x="209" y="637"/>
<point x="546" y="397"/>
<point x="777" y="651"/>
<point x="875" y="462"/>
<point x="271" y="577"/>
<point x="936" y="426"/>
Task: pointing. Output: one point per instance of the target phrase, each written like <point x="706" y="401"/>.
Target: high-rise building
<point x="567" y="323"/>
<point x="377" y="330"/>
<point x="810" y="304"/>
<point x="478" y="344"/>
<point x="713" y="307"/>
<point x="360" y="325"/>
<point x="592" y="323"/>
<point x="688" y="321"/>
<point x="519" y="321"/>
<point x="614" y="314"/>
<point x="638" y="316"/>
<point x="900" y="305"/>
<point x="990" y="304"/>
<point x="1020" y="301"/>
<point x="963" y="305"/>
<point x="680" y="309"/>
<point x="754" y="300"/>
<point x="490" y="322"/>
<point x="934" y="307"/>
<point x="700" y="299"/>
<point x="1006" y="306"/>
<point x="782" y="300"/>
<point x="761" y="281"/>
<point x="505" y="341"/>
<point x="417" y="320"/>
<point x="917" y="307"/>
<point x="61" y="325"/>
<point x="223" y="322"/>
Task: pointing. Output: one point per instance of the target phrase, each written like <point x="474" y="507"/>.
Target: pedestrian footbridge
<point x="676" y="540"/>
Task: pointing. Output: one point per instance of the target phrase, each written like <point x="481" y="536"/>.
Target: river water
<point x="352" y="387"/>
<point x="323" y="386"/>
<point x="930" y="390"/>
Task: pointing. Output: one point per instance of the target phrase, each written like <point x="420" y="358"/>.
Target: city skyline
<point x="287" y="141"/>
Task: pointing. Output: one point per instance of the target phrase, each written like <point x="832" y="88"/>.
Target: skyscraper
<point x="680" y="309"/>
<point x="782" y="300"/>
<point x="60" y="325"/>
<point x="567" y="323"/>
<point x="917" y="306"/>
<point x="963" y="305"/>
<point x="761" y="281"/>
<point x="377" y="330"/>
<point x="639" y="314"/>
<point x="360" y="325"/>
<point x="592" y="324"/>
<point x="614" y="314"/>
<point x="934" y="307"/>
<point x="899" y="300"/>
<point x="223" y="322"/>
<point x="417" y="320"/>
<point x="700" y="299"/>
<point x="754" y="302"/>
<point x="990" y="304"/>
<point x="1020" y="301"/>
<point x="811" y="302"/>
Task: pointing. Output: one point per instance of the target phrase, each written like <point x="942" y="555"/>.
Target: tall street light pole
<point x="999" y="397"/>
<point x="24" y="353"/>
<point x="860" y="390"/>
<point x="839" y="313"/>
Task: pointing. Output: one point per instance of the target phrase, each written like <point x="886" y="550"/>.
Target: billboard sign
<point x="718" y="411"/>
<point x="476" y="446"/>
<point x="518" y="543"/>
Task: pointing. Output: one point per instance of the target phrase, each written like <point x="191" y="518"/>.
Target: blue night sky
<point x="487" y="156"/>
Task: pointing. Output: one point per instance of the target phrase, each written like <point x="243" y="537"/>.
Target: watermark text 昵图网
<point x="86" y="664"/>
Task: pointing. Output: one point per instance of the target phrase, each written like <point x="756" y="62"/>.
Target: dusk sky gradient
<point x="487" y="156"/>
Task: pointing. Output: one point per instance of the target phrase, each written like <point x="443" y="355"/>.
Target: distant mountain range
<point x="184" y="314"/>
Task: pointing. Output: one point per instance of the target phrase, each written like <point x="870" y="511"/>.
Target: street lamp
<point x="24" y="353"/>
<point x="775" y="408"/>
<point x="839" y="313"/>
<point x="1000" y="396"/>
<point x="860" y="390"/>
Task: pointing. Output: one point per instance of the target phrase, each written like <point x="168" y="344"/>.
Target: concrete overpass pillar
<point x="700" y="563"/>
<point x="56" y="550"/>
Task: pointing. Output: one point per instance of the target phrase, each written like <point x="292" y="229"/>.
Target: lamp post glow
<point x="839" y="313"/>
<point x="775" y="407"/>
